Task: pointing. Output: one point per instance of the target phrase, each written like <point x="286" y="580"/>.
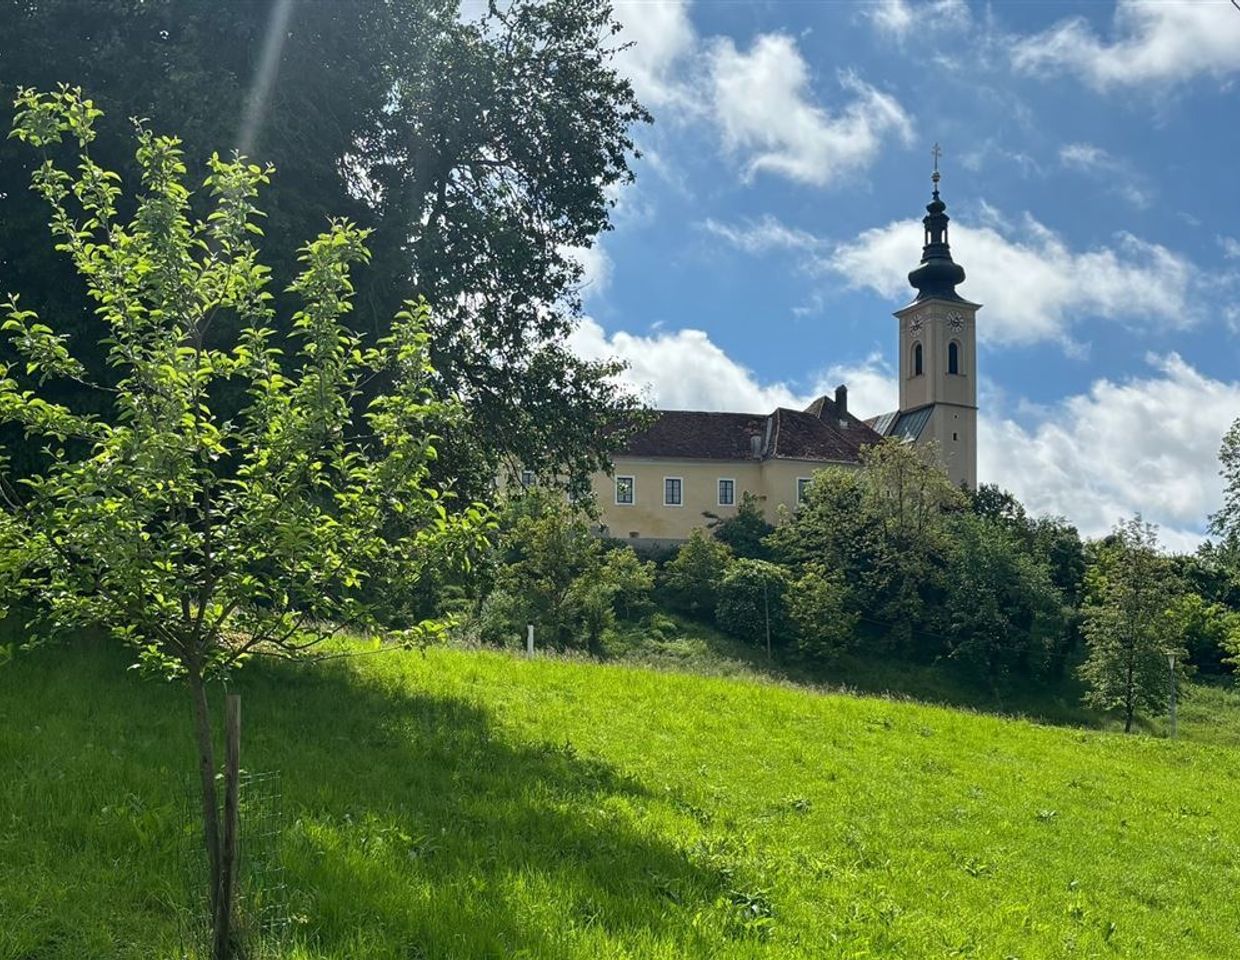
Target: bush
<point x="819" y="608"/>
<point x="691" y="580"/>
<point x="752" y="602"/>
<point x="551" y="571"/>
<point x="744" y="532"/>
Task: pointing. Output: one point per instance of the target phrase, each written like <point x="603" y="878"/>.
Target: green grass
<point x="468" y="805"/>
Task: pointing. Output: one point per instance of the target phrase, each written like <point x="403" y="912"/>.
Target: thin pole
<point x="1171" y="661"/>
<point x="529" y="639"/>
<point x="766" y="612"/>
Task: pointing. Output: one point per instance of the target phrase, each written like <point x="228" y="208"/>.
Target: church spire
<point x="937" y="274"/>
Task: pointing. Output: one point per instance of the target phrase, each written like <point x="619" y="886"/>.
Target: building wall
<point x="648" y="519"/>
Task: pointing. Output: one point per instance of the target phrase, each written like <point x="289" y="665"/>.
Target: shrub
<point x="819" y="610"/>
<point x="753" y="602"/>
<point x="691" y="580"/>
<point x="553" y="572"/>
<point x="744" y="532"/>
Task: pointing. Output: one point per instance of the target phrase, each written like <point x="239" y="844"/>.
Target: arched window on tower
<point x="917" y="359"/>
<point x="953" y="357"/>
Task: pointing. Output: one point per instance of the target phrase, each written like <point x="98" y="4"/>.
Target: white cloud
<point x="1145" y="445"/>
<point x="1231" y="247"/>
<point x="1148" y="444"/>
<point x="1033" y="285"/>
<point x="595" y="268"/>
<point x="899" y="18"/>
<point x="661" y="42"/>
<point x="759" y="236"/>
<point x="1116" y="173"/>
<point x="683" y="370"/>
<point x="1154" y="43"/>
<point x="763" y="107"/>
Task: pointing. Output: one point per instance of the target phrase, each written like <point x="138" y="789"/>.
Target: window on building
<point x="802" y="488"/>
<point x="953" y="357"/>
<point x="626" y="490"/>
<point x="673" y="492"/>
<point x="527" y="478"/>
<point x="917" y="359"/>
<point x="727" y="492"/>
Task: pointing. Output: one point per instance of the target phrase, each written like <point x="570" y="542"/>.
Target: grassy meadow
<point x="463" y="804"/>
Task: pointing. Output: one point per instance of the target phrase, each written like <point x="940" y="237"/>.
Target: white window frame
<point x="719" y="482"/>
<point x="679" y="480"/>
<point x="800" y="497"/>
<point x="632" y="490"/>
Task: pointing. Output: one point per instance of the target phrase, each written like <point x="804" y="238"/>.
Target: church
<point x="687" y="463"/>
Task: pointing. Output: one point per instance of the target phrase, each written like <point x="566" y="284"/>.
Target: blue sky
<point x="1090" y="168"/>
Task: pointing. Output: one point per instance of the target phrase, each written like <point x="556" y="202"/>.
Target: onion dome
<point x="938" y="274"/>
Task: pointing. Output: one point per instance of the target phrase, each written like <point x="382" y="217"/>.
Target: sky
<point x="1091" y="167"/>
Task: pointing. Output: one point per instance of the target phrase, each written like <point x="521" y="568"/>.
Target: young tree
<point x="820" y="610"/>
<point x="1225" y="524"/>
<point x="203" y="525"/>
<point x="753" y="603"/>
<point x="745" y="531"/>
<point x="553" y="572"/>
<point x="691" y="579"/>
<point x="1127" y="631"/>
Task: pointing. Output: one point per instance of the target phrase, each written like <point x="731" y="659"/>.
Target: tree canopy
<point x="478" y="152"/>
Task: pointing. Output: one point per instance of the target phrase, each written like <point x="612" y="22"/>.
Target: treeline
<point x="891" y="561"/>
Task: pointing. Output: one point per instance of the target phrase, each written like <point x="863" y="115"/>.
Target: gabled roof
<point x="822" y="433"/>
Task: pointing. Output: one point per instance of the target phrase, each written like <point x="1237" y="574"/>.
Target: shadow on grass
<point x="420" y="829"/>
<point x="414" y="825"/>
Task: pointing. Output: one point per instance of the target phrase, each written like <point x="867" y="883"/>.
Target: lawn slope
<point x="477" y="805"/>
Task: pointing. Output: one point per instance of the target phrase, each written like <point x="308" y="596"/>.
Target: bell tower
<point x="938" y="351"/>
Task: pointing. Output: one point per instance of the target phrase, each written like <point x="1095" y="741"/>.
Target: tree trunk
<point x="206" y="770"/>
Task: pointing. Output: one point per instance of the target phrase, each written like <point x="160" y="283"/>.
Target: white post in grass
<point x="1171" y="662"/>
<point x="529" y="639"/>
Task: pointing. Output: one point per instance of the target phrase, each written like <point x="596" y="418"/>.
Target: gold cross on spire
<point x="936" y="151"/>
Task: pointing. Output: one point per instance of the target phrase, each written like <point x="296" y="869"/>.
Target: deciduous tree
<point x="1127" y="631"/>
<point x="201" y="532"/>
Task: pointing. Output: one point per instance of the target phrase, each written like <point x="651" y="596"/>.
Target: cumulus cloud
<point x="1149" y="444"/>
<point x="660" y="43"/>
<point x="1033" y="284"/>
<point x="766" y="115"/>
<point x="683" y="370"/>
<point x="1153" y="43"/>
<point x="1231" y="247"/>
<point x="595" y="268"/>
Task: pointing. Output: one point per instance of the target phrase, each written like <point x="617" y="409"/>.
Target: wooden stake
<point x="223" y="948"/>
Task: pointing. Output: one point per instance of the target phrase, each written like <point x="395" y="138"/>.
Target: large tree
<point x="479" y="151"/>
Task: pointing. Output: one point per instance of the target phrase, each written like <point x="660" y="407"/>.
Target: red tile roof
<point x="819" y="433"/>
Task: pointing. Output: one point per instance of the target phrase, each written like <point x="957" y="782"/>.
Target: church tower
<point x="938" y="353"/>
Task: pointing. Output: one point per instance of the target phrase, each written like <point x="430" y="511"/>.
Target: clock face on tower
<point x="956" y="321"/>
<point x="915" y="324"/>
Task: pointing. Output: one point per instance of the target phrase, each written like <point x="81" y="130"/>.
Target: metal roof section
<point x="882" y="423"/>
<point x="908" y="426"/>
